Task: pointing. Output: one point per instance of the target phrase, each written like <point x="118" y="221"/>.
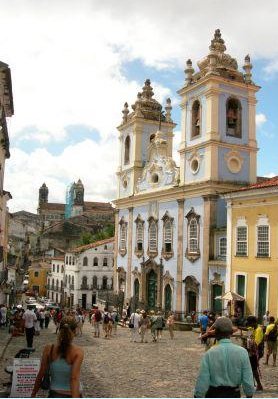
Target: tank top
<point x="60" y="373"/>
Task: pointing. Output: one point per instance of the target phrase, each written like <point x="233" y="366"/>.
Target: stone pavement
<point x="120" y="368"/>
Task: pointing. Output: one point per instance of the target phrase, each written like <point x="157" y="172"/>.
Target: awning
<point x="231" y="296"/>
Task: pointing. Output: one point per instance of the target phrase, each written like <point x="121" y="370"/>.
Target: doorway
<point x="151" y="289"/>
<point x="84" y="301"/>
<point x="191" y="302"/>
<point x="168" y="298"/>
<point x="216" y="303"/>
<point x="261" y="297"/>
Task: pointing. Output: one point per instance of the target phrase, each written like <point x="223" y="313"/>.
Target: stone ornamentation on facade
<point x="161" y="170"/>
<point x="234" y="161"/>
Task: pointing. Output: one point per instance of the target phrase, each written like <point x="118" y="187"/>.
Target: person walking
<point x="153" y="321"/>
<point x="160" y="324"/>
<point x="64" y="360"/>
<point x="134" y="320"/>
<point x="254" y="342"/>
<point x="170" y="324"/>
<point x="144" y="323"/>
<point x="266" y="320"/>
<point x="42" y="319"/>
<point x="271" y="340"/>
<point x="203" y="320"/>
<point x="115" y="319"/>
<point x="107" y="323"/>
<point x="29" y="318"/>
<point x="96" y="319"/>
<point x="225" y="367"/>
<point x="46" y="318"/>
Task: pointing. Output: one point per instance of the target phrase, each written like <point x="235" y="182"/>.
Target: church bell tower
<point x="218" y="103"/>
<point x="136" y="133"/>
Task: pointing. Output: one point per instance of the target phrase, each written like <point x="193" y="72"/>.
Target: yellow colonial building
<point x="38" y="272"/>
<point x="252" y="245"/>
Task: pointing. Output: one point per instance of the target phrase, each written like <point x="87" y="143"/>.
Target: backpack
<point x="97" y="315"/>
<point x="106" y="318"/>
<point x="272" y="336"/>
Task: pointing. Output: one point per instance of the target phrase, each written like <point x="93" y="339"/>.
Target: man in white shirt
<point x="134" y="320"/>
<point x="29" y="318"/>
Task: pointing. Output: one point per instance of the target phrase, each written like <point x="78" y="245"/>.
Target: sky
<point x="74" y="64"/>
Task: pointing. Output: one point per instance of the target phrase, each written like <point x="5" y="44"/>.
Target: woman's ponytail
<point x="66" y="335"/>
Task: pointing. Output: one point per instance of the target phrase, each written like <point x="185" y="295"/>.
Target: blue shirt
<point x="225" y="364"/>
<point x="204" y="321"/>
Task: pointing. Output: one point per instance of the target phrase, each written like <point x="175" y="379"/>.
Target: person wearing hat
<point x="225" y="367"/>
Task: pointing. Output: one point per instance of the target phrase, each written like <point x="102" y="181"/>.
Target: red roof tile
<point x="93" y="245"/>
<point x="272" y="182"/>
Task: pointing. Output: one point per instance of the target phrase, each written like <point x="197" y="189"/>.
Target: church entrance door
<point x="84" y="301"/>
<point x="192" y="301"/>
<point x="151" y="289"/>
<point x="216" y="303"/>
<point x="168" y="298"/>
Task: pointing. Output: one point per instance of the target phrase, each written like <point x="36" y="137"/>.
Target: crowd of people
<point x="226" y="366"/>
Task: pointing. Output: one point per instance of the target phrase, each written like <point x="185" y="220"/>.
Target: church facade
<point x="170" y="240"/>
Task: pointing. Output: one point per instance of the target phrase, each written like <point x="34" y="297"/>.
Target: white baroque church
<point x="170" y="241"/>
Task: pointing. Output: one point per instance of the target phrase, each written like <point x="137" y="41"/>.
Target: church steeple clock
<point x="218" y="102"/>
<point x="137" y="130"/>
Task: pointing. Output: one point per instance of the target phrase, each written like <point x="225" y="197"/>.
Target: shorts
<point x="272" y="346"/>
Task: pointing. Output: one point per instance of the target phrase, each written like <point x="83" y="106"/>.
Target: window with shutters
<point x="263" y="241"/>
<point x="167" y="248"/>
<point x="193" y="236"/>
<point x="139" y="242"/>
<point x="153" y="231"/>
<point x="94" y="283"/>
<point x="241" y="241"/>
<point x="222" y="247"/>
<point x="123" y="237"/>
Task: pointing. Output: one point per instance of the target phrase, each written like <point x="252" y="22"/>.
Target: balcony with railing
<point x="84" y="287"/>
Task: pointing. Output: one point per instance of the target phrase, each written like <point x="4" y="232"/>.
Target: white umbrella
<point x="231" y="296"/>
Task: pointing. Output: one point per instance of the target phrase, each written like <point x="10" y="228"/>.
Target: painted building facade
<point x="88" y="273"/>
<point x="6" y="110"/>
<point x="253" y="238"/>
<point x="55" y="280"/>
<point x="170" y="241"/>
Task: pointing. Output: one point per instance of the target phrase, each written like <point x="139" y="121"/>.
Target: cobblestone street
<point x="120" y="368"/>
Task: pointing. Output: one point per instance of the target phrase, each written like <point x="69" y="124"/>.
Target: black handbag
<point x="131" y="325"/>
<point x="45" y="382"/>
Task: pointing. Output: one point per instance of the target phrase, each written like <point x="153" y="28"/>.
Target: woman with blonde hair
<point x="64" y="360"/>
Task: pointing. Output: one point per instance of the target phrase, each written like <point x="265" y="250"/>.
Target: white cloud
<point x="271" y="174"/>
<point x="93" y="162"/>
<point x="67" y="60"/>
<point x="260" y="119"/>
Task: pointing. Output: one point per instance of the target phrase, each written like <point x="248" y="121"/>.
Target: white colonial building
<point x="170" y="238"/>
<point x="88" y="273"/>
<point x="55" y="280"/>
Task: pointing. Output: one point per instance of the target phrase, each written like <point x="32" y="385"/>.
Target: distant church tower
<point x="77" y="193"/>
<point x="43" y="196"/>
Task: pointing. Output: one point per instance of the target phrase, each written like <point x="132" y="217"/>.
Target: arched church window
<point x="123" y="236"/>
<point x="85" y="261"/>
<point x="105" y="262"/>
<point x="196" y="119"/>
<point x="139" y="243"/>
<point x="167" y="246"/>
<point x="153" y="230"/>
<point x="233" y="117"/>
<point x="127" y="150"/>
<point x="193" y="236"/>
<point x="95" y="261"/>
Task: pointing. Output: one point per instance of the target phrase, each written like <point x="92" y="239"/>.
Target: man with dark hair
<point x="29" y="318"/>
<point x="271" y="340"/>
<point x="255" y="347"/>
<point x="225" y="367"/>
